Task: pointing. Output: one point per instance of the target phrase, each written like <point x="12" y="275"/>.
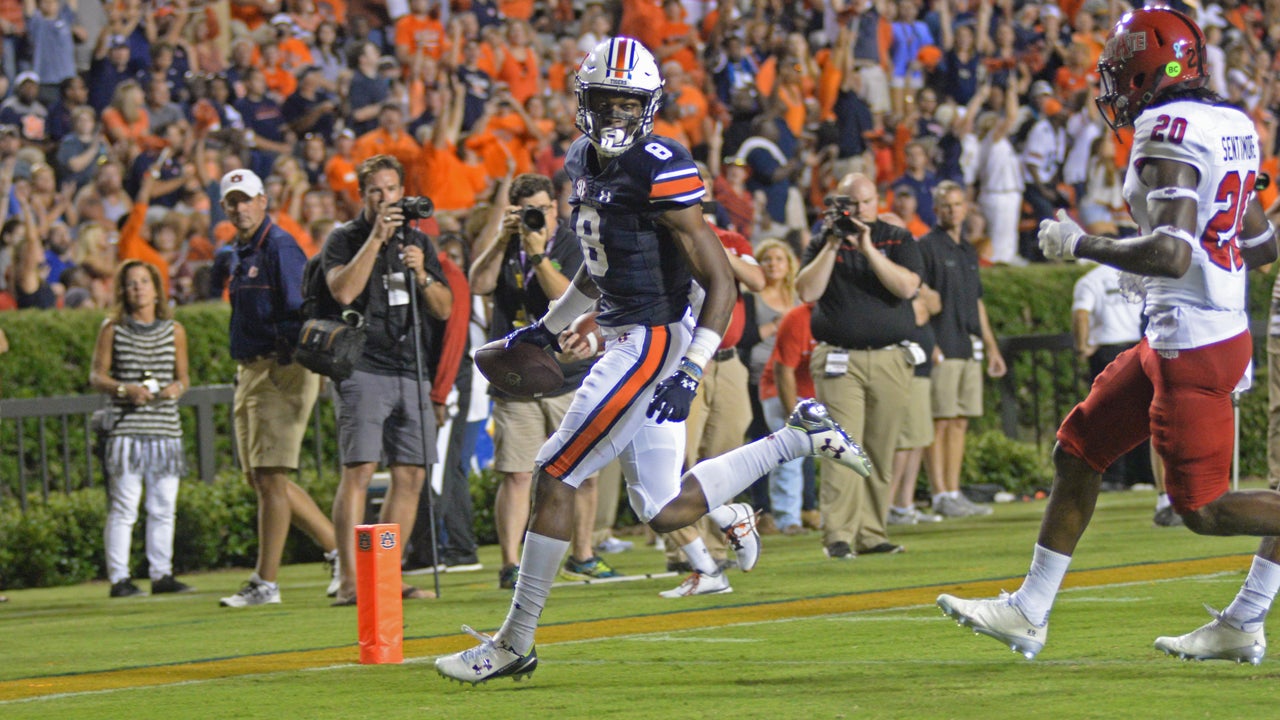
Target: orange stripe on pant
<point x="650" y="364"/>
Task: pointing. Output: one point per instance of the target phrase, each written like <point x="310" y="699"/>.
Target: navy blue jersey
<point x="642" y="276"/>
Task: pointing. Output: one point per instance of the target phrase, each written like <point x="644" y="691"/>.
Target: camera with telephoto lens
<point x="533" y="218"/>
<point x="838" y="216"/>
<point x="416" y="208"/>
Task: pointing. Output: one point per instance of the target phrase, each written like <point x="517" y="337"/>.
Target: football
<point x="524" y="369"/>
<point x="587" y="329"/>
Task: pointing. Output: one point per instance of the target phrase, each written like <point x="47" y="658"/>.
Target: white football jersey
<point x="1207" y="304"/>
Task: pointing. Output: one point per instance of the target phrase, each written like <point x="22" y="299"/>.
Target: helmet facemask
<point x="614" y="131"/>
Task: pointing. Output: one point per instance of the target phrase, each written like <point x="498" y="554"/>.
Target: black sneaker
<point x="840" y="550"/>
<point x="508" y="576"/>
<point x="125" y="588"/>
<point x="169" y="584"/>
<point x="884" y="548"/>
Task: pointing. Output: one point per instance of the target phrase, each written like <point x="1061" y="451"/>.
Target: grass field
<point x="801" y="637"/>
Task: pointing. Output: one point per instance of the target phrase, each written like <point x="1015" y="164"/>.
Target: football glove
<point x="535" y="334"/>
<point x="673" y="398"/>
<point x="1059" y="238"/>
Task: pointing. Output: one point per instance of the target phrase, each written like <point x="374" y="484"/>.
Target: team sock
<point x="1035" y="597"/>
<point x="723" y="477"/>
<point x="1249" y="609"/>
<point x="539" y="564"/>
<point x="1162" y="501"/>
<point x="699" y="556"/>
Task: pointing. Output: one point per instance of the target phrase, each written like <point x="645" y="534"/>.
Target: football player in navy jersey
<point x="636" y="211"/>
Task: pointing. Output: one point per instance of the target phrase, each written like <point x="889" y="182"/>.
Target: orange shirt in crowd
<point x="516" y="9"/>
<point x="505" y="135"/>
<point x="674" y="33"/>
<point x="133" y="247"/>
<point x="421" y="34"/>
<point x="487" y="59"/>
<point x="294" y="54"/>
<point x="693" y="113"/>
<point x="643" y="20"/>
<point x="669" y="129"/>
<point x="521" y="75"/>
<point x="294" y="228"/>
<point x="250" y="15"/>
<point x="828" y="88"/>
<point x="341" y="174"/>
<point x="1070" y="82"/>
<point x="446" y="179"/>
<point x="379" y="142"/>
<point x="280" y="81"/>
<point x="120" y="129"/>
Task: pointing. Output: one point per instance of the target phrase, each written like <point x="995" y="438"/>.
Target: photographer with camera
<point x="526" y="264"/>
<point x="373" y="263"/>
<point x="862" y="274"/>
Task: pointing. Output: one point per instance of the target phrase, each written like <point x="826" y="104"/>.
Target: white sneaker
<point x="998" y="619"/>
<point x="973" y="507"/>
<point x="927" y="517"/>
<point x="947" y="506"/>
<point x="1217" y="641"/>
<point x="742" y="535"/>
<point x="699" y="584"/>
<point x="612" y="544"/>
<point x="903" y="517"/>
<point x="827" y="438"/>
<point x="253" y="593"/>
<point x="486" y="661"/>
<point x="335" y="573"/>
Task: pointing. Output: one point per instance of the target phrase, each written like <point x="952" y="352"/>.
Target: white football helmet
<point x="620" y="65"/>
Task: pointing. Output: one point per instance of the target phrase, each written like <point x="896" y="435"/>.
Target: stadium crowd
<point x="119" y="118"/>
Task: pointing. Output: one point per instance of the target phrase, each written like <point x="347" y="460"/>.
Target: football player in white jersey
<point x="1190" y="186"/>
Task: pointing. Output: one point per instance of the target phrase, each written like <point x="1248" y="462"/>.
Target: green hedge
<point x="60" y="541"/>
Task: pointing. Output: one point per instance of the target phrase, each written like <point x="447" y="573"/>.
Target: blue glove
<point x="535" y="334"/>
<point x="673" y="398"/>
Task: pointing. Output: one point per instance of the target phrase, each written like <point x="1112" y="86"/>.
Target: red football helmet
<point x="1149" y="52"/>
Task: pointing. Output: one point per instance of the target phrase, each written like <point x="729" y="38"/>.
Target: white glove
<point x="1059" y="238"/>
<point x="1133" y="287"/>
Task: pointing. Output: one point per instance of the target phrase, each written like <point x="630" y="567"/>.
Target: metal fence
<point x="47" y="443"/>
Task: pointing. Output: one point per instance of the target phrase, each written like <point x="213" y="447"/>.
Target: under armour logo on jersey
<point x="606" y="196"/>
<point x="835" y="450"/>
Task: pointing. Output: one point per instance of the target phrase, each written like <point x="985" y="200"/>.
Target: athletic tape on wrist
<point x="565" y="309"/>
<point x="1262" y="239"/>
<point x="704" y="345"/>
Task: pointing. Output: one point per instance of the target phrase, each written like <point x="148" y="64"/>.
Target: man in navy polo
<point x="274" y="395"/>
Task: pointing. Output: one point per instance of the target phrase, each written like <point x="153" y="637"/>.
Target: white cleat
<point x="486" y="661"/>
<point x="699" y="584"/>
<point x="742" y="535"/>
<point x="1217" y="641"/>
<point x="998" y="619"/>
<point x="827" y="438"/>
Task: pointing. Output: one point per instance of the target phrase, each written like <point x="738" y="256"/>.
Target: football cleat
<point x="487" y="661"/>
<point x="1217" y="640"/>
<point x="743" y="536"/>
<point x="827" y="438"/>
<point x="999" y="619"/>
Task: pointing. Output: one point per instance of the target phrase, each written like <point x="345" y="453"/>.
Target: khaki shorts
<point x="520" y="427"/>
<point x="272" y="409"/>
<point x="957" y="389"/>
<point x="917" y="428"/>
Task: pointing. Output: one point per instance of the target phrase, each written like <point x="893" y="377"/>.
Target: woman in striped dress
<point x="140" y="360"/>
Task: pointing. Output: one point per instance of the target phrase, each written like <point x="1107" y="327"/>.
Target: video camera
<point x="416" y="208"/>
<point x="839" y="215"/>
